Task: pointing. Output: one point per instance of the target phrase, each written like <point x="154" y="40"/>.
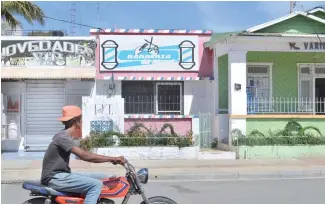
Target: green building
<point x="271" y="73"/>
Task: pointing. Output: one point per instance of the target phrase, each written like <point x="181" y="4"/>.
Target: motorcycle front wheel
<point x="160" y="200"/>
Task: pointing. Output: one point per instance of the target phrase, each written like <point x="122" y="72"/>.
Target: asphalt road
<point x="300" y="191"/>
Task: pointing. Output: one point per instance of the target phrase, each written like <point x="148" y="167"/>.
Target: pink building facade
<point x="160" y="76"/>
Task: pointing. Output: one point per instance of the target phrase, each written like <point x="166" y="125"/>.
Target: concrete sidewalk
<point x="19" y="170"/>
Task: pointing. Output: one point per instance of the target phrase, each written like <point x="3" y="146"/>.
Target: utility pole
<point x="73" y="18"/>
<point x="292" y="6"/>
<point x="98" y="11"/>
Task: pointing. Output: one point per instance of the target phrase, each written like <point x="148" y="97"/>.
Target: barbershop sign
<point x="307" y="46"/>
<point x="71" y="53"/>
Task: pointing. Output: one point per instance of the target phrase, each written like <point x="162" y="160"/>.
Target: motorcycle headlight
<point x="143" y="175"/>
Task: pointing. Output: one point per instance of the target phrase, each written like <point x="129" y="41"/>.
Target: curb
<point x="244" y="176"/>
<point x="223" y="176"/>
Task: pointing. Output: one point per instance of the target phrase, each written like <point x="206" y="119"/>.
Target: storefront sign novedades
<point x="48" y="52"/>
<point x="44" y="46"/>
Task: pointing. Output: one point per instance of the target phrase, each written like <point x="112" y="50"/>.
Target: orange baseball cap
<point x="69" y="112"/>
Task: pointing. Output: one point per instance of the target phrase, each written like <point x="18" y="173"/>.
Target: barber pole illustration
<point x="109" y="54"/>
<point x="186" y="60"/>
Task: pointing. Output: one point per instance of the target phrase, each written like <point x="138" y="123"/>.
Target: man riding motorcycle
<point x="56" y="172"/>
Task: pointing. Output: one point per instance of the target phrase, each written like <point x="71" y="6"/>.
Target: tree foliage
<point x="30" y="11"/>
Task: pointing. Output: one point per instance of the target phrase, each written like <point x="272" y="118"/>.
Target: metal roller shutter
<point x="44" y="102"/>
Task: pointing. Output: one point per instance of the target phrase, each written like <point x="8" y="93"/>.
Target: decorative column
<point x="216" y="83"/>
<point x="237" y="98"/>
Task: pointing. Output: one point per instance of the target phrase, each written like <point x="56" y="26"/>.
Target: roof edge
<point x="267" y="24"/>
<point x="226" y="35"/>
<point x="151" y="31"/>
<point x="247" y="34"/>
<point x="289" y="16"/>
<point x="316" y="9"/>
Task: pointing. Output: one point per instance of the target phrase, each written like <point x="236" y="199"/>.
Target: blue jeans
<point x="87" y="184"/>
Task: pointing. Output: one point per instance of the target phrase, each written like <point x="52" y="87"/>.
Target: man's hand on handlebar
<point x="119" y="160"/>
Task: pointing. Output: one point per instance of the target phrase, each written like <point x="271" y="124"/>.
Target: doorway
<point x="319" y="96"/>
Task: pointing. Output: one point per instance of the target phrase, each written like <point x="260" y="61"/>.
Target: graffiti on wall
<point x="70" y="53"/>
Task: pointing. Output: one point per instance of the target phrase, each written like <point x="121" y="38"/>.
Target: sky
<point x="217" y="16"/>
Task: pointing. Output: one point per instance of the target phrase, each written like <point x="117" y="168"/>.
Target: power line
<point x="70" y="22"/>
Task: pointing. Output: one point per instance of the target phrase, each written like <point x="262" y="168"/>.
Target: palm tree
<point x="31" y="12"/>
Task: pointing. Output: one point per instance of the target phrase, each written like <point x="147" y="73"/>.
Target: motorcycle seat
<point x="38" y="188"/>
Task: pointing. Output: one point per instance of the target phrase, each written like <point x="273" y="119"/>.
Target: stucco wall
<point x="284" y="72"/>
<point x="144" y="153"/>
<point x="264" y="125"/>
<point x="164" y="153"/>
<point x="280" y="152"/>
<point x="206" y="58"/>
<point x="198" y="95"/>
<point x="284" y="69"/>
<point x="101" y="88"/>
<point x="223" y="83"/>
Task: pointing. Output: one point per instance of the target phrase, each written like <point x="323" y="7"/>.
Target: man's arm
<point x="94" y="158"/>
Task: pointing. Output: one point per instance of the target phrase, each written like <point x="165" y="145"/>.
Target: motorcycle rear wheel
<point x="160" y="200"/>
<point x="39" y="200"/>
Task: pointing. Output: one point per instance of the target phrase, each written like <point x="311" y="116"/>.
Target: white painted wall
<point x="164" y="153"/>
<point x="103" y="109"/>
<point x="101" y="88"/>
<point x="75" y="89"/>
<point x="145" y="153"/>
<point x="257" y="43"/>
<point x="198" y="97"/>
<point x="221" y="126"/>
<point x="237" y="99"/>
<point x="216" y="83"/>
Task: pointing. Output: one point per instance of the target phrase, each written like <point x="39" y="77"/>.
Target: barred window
<point x="259" y="86"/>
<point x="149" y="97"/>
<point x="259" y="78"/>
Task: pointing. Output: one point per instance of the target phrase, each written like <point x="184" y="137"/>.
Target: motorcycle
<point x="116" y="187"/>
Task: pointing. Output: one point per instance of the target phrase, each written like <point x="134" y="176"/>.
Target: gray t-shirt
<point x="57" y="156"/>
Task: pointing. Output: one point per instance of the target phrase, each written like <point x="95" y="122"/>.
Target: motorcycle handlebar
<point x="126" y="165"/>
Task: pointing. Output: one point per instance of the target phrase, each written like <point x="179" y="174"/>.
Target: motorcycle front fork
<point x="127" y="197"/>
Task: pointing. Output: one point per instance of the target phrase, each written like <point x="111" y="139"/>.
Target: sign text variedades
<point x="307" y="46"/>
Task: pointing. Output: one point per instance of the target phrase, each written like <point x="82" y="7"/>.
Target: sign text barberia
<point x="307" y="46"/>
<point x="48" y="53"/>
